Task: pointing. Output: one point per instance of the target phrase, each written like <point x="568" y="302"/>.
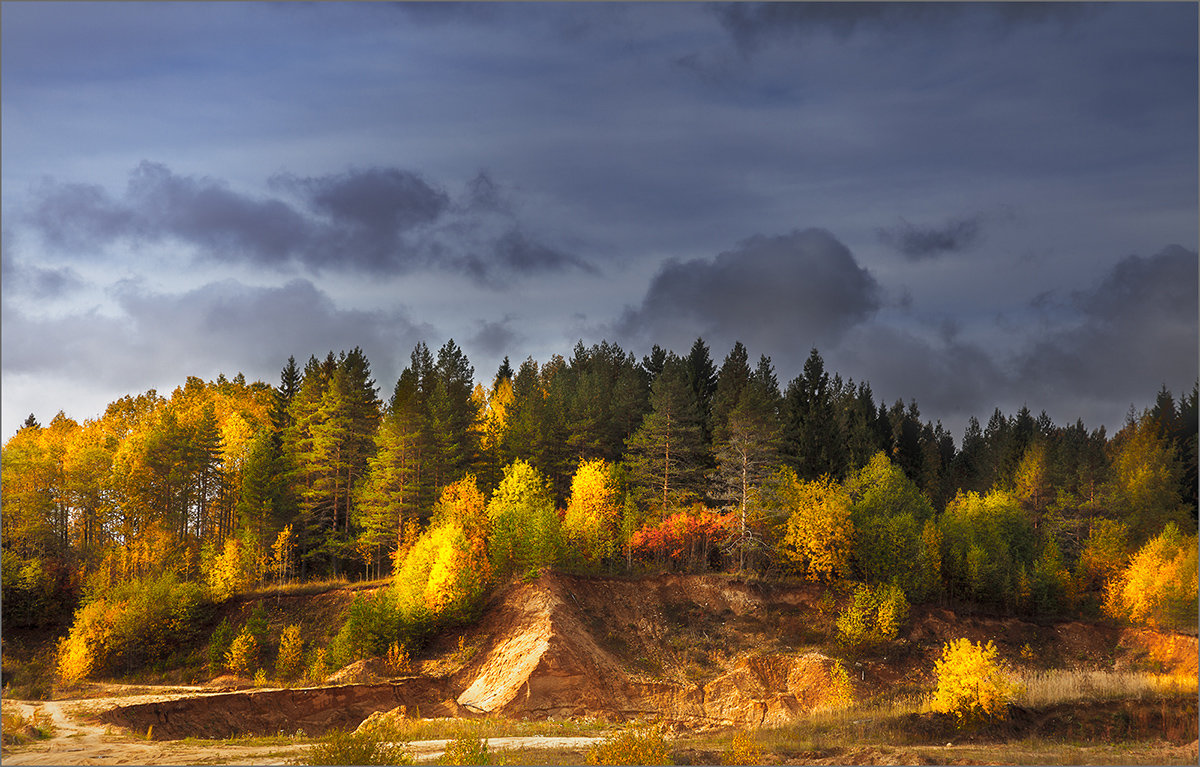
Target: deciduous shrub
<point x="138" y="622"/>
<point x="874" y="616"/>
<point x="972" y="683"/>
<point x="634" y="744"/>
<point x="291" y="649"/>
<point x="466" y="749"/>
<point x="243" y="654"/>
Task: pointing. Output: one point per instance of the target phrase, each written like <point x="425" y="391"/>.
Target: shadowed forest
<point x="140" y="519"/>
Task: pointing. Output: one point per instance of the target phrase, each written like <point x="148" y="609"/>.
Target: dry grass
<point x="17" y="728"/>
<point x="448" y="728"/>
<point x="1044" y="688"/>
<point x="305" y="588"/>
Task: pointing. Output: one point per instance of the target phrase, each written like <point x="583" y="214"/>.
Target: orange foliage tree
<point x="684" y="538"/>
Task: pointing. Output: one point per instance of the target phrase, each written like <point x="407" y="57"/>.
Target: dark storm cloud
<point x="377" y="221"/>
<point x="1134" y="331"/>
<point x="495" y="338"/>
<point x="921" y="242"/>
<point x="379" y="203"/>
<point x="949" y="378"/>
<point x="751" y="24"/>
<point x="526" y="256"/>
<point x="782" y="292"/>
<point x="228" y="226"/>
<point x="217" y="327"/>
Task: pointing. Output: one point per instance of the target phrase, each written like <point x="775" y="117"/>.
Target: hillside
<point x="699" y="650"/>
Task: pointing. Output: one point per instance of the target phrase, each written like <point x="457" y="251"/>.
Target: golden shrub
<point x="243" y="654"/>
<point x="972" y="683"/>
<point x="291" y="648"/>
<point x="743" y="750"/>
<point x="635" y="744"/>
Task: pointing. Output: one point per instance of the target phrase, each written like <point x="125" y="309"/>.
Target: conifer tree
<point x="666" y="455"/>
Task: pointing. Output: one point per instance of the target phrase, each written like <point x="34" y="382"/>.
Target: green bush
<point x="218" y="645"/>
<point x="372" y="625"/>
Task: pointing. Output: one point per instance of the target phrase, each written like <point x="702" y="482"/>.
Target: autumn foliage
<point x="972" y="683"/>
<point x="1158" y="588"/>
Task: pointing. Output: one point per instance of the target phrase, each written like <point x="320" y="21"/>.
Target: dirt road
<point x="78" y="741"/>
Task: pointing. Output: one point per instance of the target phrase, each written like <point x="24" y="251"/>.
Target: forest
<point x="600" y="463"/>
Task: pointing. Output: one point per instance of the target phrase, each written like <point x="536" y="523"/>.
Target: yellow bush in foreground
<point x="972" y="683"/>
<point x="633" y="745"/>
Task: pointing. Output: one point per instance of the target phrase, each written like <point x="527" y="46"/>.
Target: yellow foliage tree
<point x="243" y="654"/>
<point x="291" y="649"/>
<point x="459" y="570"/>
<point x="819" y="533"/>
<point x="972" y="683"/>
<point x="1159" y="587"/>
<point x="281" y="553"/>
<point x="592" y="514"/>
<point x="230" y="571"/>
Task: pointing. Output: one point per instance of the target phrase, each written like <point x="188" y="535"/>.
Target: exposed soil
<point x="699" y="651"/>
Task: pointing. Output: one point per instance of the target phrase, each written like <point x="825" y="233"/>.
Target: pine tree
<point x="812" y="444"/>
<point x="666" y="456"/>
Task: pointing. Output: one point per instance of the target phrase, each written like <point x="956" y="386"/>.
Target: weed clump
<point x="365" y="747"/>
<point x="635" y="744"/>
<point x="743" y="750"/>
<point x="467" y="749"/>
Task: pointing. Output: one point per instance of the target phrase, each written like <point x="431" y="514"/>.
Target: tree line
<point x="600" y="462"/>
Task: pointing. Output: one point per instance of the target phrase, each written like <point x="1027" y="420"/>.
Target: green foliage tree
<point x="525" y="532"/>
<point x="987" y="541"/>
<point x="889" y="515"/>
<point x="1144" y="481"/>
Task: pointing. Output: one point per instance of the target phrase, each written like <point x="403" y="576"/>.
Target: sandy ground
<point x="77" y="741"/>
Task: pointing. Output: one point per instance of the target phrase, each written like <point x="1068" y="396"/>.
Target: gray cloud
<point x="495" y="338"/>
<point x="526" y="256"/>
<point x="22" y="279"/>
<point x="1135" y="330"/>
<point x="922" y="242"/>
<point x="948" y="378"/>
<point x="372" y="207"/>
<point x="219" y="327"/>
<point x="376" y="221"/>
<point x="752" y="24"/>
<point x="783" y="293"/>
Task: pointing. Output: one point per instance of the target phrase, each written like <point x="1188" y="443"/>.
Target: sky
<point x="971" y="206"/>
